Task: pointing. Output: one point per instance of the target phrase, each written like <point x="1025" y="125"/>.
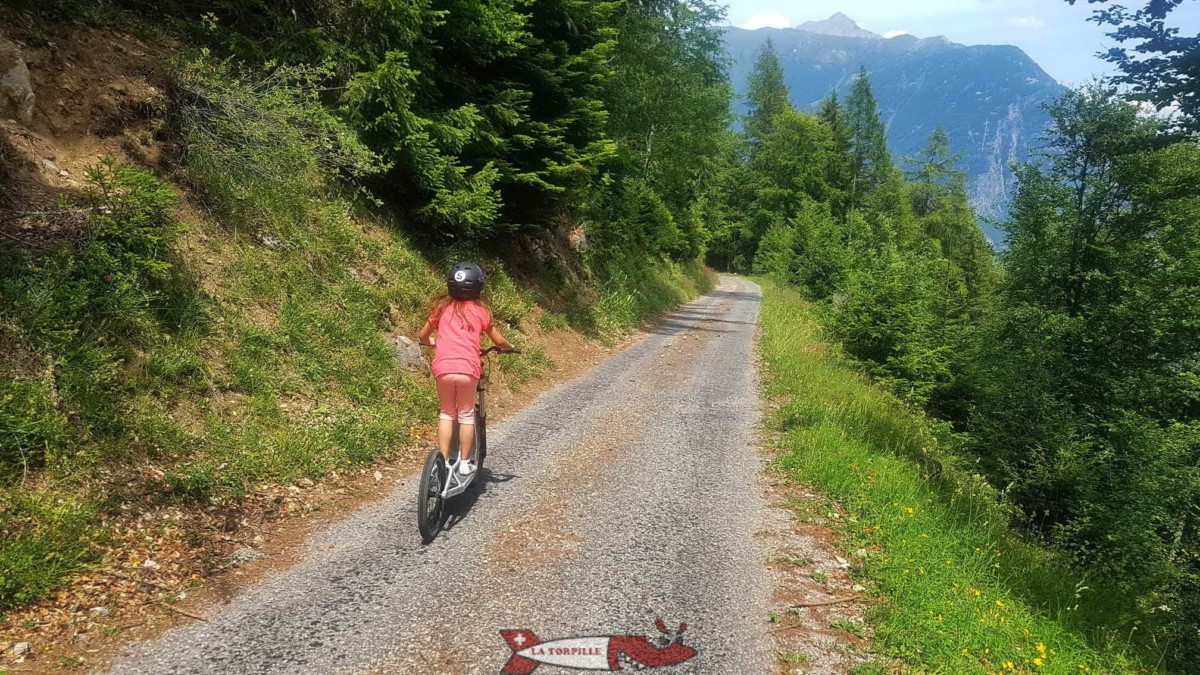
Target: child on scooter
<point x="458" y="318"/>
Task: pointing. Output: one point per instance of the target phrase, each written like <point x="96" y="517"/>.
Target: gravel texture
<point x="627" y="495"/>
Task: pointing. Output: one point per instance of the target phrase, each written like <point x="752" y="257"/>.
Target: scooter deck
<point x="457" y="483"/>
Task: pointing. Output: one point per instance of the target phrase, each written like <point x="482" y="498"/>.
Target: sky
<point x="1055" y="34"/>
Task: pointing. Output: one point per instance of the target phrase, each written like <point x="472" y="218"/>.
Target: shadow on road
<point x="735" y="295"/>
<point x="692" y="318"/>
<point x="459" y="507"/>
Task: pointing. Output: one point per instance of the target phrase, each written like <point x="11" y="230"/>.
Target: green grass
<point x="850" y="627"/>
<point x="962" y="593"/>
<point x="43" y="539"/>
<point x="283" y="371"/>
<point x="252" y="347"/>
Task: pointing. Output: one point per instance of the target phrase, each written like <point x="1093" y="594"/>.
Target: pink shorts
<point x="456" y="393"/>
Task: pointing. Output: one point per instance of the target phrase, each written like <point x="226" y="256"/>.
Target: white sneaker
<point x="466" y="468"/>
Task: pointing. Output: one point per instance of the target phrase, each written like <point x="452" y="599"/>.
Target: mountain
<point x="988" y="97"/>
<point x="839" y="24"/>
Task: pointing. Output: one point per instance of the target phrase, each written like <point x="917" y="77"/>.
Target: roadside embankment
<point x="955" y="589"/>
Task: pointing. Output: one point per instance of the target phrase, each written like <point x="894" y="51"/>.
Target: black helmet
<point x="465" y="281"/>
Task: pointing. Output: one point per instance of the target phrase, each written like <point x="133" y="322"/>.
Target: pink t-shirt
<point x="458" y="329"/>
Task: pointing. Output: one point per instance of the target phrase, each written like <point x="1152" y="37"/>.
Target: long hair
<point x="442" y="303"/>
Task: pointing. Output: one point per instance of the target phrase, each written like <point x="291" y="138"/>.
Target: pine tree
<point x="870" y="160"/>
<point x="768" y="95"/>
<point x="935" y="174"/>
<point x="838" y="170"/>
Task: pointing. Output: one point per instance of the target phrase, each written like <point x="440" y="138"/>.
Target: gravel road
<point x="629" y="494"/>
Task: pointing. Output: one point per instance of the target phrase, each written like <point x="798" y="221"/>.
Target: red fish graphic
<point x="599" y="652"/>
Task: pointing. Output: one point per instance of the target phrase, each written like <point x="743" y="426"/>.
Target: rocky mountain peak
<point x="840" y="25"/>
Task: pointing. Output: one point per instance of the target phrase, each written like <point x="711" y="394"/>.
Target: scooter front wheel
<point x="430" y="502"/>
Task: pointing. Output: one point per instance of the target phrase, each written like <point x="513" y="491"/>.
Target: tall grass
<point x="960" y="592"/>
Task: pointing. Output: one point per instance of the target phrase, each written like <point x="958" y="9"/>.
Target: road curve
<point x="626" y="495"/>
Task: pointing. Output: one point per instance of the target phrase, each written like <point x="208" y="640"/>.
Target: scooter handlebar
<point x="496" y="350"/>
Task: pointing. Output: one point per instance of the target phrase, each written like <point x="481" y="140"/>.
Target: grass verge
<point x="959" y="591"/>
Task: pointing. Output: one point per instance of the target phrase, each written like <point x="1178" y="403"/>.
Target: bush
<point x="261" y="145"/>
<point x="886" y="314"/>
<point x="812" y="251"/>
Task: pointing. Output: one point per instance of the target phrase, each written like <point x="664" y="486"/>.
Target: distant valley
<point x="988" y="97"/>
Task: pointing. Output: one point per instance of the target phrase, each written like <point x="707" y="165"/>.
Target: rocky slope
<point x="988" y="97"/>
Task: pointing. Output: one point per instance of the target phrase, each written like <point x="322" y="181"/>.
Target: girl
<point x="459" y="318"/>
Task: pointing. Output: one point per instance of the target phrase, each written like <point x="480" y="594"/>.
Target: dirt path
<point x="630" y="494"/>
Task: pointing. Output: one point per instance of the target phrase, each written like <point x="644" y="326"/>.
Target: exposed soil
<point x="98" y="95"/>
<point x="816" y="598"/>
<point x="818" y="608"/>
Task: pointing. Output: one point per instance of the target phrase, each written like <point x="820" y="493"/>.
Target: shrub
<point x="260" y="144"/>
<point x="886" y="315"/>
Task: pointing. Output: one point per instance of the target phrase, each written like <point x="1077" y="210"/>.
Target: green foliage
<point x="812" y="250"/>
<point x="906" y="269"/>
<point x="834" y="116"/>
<point x="669" y="107"/>
<point x="791" y="164"/>
<point x="965" y="594"/>
<point x="935" y="176"/>
<point x="1086" y="375"/>
<point x="43" y="539"/>
<point x="887" y="314"/>
<point x="768" y="94"/>
<point x="870" y="162"/>
<point x="494" y="115"/>
<point x="29" y="423"/>
<point x="1161" y="65"/>
<point x="1070" y="370"/>
<point x="93" y="306"/>
<point x="633" y="289"/>
<point x="261" y="144"/>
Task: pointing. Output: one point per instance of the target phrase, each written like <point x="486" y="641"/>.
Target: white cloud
<point x="893" y="33"/>
<point x="1028" y="21"/>
<point x="767" y="20"/>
